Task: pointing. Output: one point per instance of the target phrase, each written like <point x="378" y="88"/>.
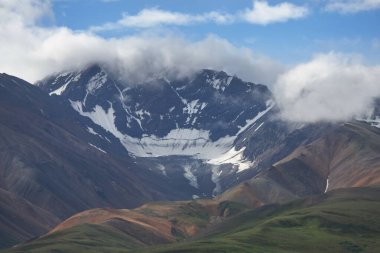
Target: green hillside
<point x="345" y="220"/>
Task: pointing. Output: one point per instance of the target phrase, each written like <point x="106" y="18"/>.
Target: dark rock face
<point x="209" y="100"/>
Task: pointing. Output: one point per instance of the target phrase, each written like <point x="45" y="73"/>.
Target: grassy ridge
<point x="346" y="221"/>
<point x="342" y="221"/>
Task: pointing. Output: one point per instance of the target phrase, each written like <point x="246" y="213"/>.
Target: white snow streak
<point x="60" y="90"/>
<point x="215" y="177"/>
<point x="188" y="174"/>
<point x="101" y="150"/>
<point x="373" y="122"/>
<point x="96" y="82"/>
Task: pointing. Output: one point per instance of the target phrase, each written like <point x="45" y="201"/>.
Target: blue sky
<point x="290" y="41"/>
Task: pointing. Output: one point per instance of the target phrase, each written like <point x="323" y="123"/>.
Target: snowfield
<point x="179" y="141"/>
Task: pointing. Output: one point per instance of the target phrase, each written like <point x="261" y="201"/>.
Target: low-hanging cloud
<point x="331" y="87"/>
<point x="32" y="52"/>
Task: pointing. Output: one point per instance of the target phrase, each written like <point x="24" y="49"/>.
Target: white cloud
<point x="352" y="6"/>
<point x="156" y="17"/>
<point x="331" y="87"/>
<point x="32" y="52"/>
<point x="263" y="13"/>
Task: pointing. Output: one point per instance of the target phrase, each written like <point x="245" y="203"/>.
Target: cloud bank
<point x="330" y="87"/>
<point x="32" y="52"/>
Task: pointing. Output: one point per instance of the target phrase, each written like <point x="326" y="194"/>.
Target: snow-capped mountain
<point x="207" y="131"/>
<point x="199" y="116"/>
<point x="200" y="121"/>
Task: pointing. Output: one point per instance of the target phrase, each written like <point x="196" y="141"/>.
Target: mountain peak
<point x="208" y="109"/>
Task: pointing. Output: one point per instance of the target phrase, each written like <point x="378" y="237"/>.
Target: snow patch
<point x="215" y="178"/>
<point x="60" y="90"/>
<point x="77" y="77"/>
<point x="96" y="82"/>
<point x="92" y="131"/>
<point x="234" y="157"/>
<point x="162" y="169"/>
<point x="327" y="185"/>
<point x="219" y="84"/>
<point x="250" y="122"/>
<point x="100" y="117"/>
<point x="188" y="174"/>
<point x="373" y="122"/>
<point x="69" y="77"/>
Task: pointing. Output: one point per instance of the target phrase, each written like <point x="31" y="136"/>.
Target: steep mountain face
<point x="49" y="158"/>
<point x="206" y="132"/>
<point x="198" y="116"/>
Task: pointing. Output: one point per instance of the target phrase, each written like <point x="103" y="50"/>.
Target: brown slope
<point x="257" y="192"/>
<point x="348" y="155"/>
<point x="156" y="222"/>
<point x="144" y="229"/>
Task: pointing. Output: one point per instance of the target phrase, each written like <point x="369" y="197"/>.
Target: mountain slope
<point x="349" y="156"/>
<point x="346" y="155"/>
<point x="50" y="158"/>
<point x="20" y="220"/>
